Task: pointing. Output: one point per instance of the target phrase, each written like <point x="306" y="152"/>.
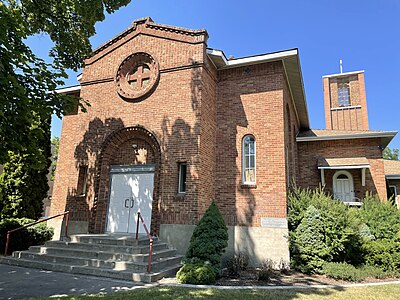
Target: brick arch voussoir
<point x="108" y="149"/>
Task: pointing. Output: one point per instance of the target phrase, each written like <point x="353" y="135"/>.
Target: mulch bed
<point x="292" y="278"/>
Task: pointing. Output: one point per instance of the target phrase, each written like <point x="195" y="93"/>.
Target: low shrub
<point x="342" y="271"/>
<point x="196" y="273"/>
<point x="24" y="238"/>
<point x="266" y="270"/>
<point x="237" y="263"/>
<point x="382" y="218"/>
<point x="383" y="254"/>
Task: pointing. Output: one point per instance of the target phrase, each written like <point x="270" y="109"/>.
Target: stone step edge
<point x="95" y="251"/>
<point x="136" y="247"/>
<point x="133" y="263"/>
<point x="127" y="275"/>
<point x="77" y="237"/>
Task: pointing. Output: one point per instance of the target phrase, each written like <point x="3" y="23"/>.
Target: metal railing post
<point x="8" y="238"/>
<point x="66" y="225"/>
<point x="150" y="256"/>
<point x="139" y="217"/>
<point x="137" y="226"/>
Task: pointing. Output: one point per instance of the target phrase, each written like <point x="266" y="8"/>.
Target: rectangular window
<point x="82" y="181"/>
<point x="182" y="178"/>
<point x="393" y="193"/>
<point x="343" y="93"/>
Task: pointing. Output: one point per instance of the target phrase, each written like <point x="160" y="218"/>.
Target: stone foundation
<point x="258" y="242"/>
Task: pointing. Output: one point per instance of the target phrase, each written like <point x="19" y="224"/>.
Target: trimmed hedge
<point x="21" y="240"/>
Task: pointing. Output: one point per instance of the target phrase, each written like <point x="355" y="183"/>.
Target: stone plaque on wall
<point x="274" y="222"/>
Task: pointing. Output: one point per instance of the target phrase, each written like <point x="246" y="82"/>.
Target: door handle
<point x="132" y="202"/>
<point x="126" y="206"/>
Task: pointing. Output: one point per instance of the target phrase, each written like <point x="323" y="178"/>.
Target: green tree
<point x="392" y="154"/>
<point x="26" y="81"/>
<point x="55" y="143"/>
<point x="24" y="183"/>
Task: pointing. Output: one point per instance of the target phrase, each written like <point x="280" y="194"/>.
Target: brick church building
<point x="173" y="124"/>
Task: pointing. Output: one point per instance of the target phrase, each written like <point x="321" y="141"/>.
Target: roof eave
<point x="386" y="137"/>
<point x="291" y="63"/>
<point x="68" y="89"/>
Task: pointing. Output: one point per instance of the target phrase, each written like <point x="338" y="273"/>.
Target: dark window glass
<point x="182" y="178"/>
<point x="82" y="180"/>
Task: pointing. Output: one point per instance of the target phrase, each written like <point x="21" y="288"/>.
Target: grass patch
<point x="387" y="292"/>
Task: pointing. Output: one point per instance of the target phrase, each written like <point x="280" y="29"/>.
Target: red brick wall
<point x="173" y="112"/>
<point x="309" y="175"/>
<point x="250" y="101"/>
<point x="354" y="118"/>
<point x="291" y="130"/>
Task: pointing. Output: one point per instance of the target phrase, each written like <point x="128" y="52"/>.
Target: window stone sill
<point x="180" y="196"/>
<point x="248" y="186"/>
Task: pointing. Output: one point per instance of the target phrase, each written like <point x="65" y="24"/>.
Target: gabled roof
<point x="291" y="64"/>
<point x="327" y="134"/>
<point x="392" y="168"/>
<point x="147" y="26"/>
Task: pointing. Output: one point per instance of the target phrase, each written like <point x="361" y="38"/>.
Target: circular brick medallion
<point x="137" y="76"/>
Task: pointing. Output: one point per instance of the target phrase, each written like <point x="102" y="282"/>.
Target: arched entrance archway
<point x="343" y="186"/>
<point x="127" y="181"/>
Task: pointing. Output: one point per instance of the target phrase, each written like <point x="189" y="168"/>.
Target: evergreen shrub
<point x="342" y="271"/>
<point x="196" y="273"/>
<point x="209" y="239"/>
<point x="321" y="230"/>
<point x="21" y="240"/>
<point x="384" y="254"/>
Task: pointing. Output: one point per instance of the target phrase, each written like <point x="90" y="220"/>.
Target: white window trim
<point x="180" y="177"/>
<point x="255" y="161"/>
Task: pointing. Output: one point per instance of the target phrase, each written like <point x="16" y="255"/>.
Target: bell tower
<point x="345" y="101"/>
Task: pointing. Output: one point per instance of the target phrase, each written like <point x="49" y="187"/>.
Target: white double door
<point x="344" y="190"/>
<point x="130" y="193"/>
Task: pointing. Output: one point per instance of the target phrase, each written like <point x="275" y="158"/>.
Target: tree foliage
<point x="55" y="144"/>
<point x="26" y="81"/>
<point x="24" y="182"/>
<point x="392" y="154"/>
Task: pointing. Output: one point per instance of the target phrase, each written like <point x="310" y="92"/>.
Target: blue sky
<point x="364" y="34"/>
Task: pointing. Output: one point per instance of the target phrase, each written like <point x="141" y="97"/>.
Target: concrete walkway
<point x="20" y="283"/>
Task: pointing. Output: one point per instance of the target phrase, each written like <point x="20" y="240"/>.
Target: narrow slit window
<point x="249" y="160"/>
<point x="182" y="178"/>
<point x="82" y="181"/>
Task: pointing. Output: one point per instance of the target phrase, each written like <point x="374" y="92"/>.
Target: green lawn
<point x="386" y="292"/>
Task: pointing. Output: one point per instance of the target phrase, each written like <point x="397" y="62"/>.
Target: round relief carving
<point x="137" y="76"/>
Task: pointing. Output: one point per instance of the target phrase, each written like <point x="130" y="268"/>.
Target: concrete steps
<point x="114" y="256"/>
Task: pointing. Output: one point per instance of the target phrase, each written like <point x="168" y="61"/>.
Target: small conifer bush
<point x="208" y="243"/>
